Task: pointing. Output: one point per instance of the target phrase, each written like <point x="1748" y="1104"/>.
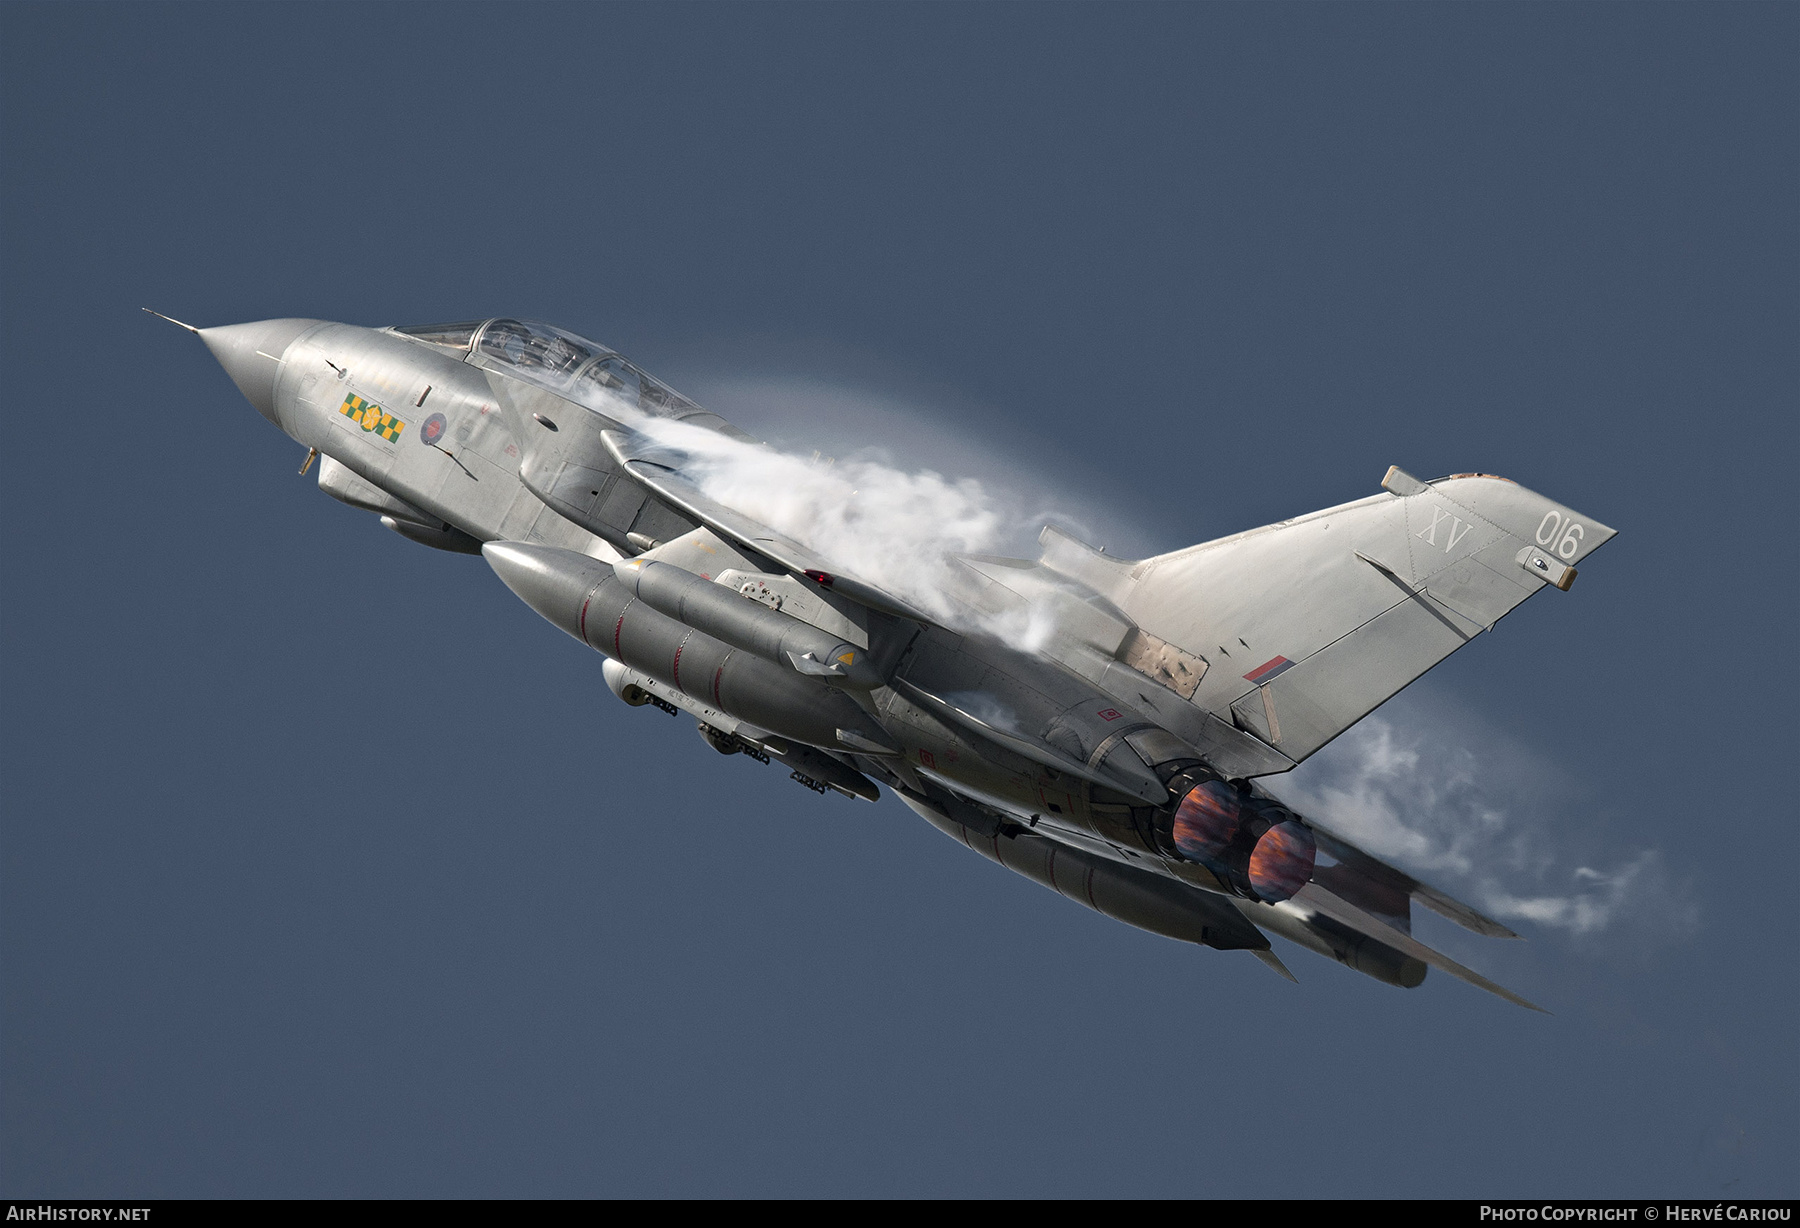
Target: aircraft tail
<point x="1295" y="631"/>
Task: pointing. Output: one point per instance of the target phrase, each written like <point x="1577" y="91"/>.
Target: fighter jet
<point x="1103" y="726"/>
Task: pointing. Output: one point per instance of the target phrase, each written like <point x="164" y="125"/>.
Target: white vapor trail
<point x="1422" y="784"/>
<point x="892" y="527"/>
<point x="1467" y="809"/>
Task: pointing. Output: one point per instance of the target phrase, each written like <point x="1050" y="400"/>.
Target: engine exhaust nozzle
<point x="1257" y="846"/>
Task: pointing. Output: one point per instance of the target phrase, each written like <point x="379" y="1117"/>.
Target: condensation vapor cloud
<point x="1467" y="809"/>
<point x="893" y="527"/>
<point x="1420" y="784"/>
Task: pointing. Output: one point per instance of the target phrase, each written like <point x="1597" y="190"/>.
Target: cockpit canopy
<point x="560" y="361"/>
<point x="551" y="354"/>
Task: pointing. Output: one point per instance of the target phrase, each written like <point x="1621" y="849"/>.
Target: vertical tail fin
<point x="1300" y="629"/>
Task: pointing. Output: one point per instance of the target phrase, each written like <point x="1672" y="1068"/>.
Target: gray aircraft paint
<point x="1078" y="748"/>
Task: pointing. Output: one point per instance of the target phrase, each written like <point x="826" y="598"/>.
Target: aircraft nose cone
<point x="553" y="582"/>
<point x="251" y="355"/>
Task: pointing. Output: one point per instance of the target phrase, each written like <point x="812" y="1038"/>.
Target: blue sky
<point x="329" y="869"/>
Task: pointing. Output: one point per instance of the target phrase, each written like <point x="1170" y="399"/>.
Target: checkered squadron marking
<point x="371" y="417"/>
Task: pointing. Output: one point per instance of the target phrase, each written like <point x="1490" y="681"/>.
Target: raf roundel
<point x="433" y="429"/>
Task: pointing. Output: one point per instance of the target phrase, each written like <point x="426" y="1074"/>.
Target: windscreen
<point x="455" y="336"/>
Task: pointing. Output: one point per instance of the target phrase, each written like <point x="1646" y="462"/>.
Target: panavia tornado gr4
<point x="1097" y="724"/>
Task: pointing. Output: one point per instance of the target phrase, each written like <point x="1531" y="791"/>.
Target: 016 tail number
<point x="1554" y="524"/>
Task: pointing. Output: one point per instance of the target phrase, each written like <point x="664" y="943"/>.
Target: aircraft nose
<point x="251" y="355"/>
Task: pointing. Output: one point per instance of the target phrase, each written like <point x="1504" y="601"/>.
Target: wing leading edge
<point x="639" y="459"/>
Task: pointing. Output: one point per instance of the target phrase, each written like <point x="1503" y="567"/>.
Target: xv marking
<point x="1457" y="531"/>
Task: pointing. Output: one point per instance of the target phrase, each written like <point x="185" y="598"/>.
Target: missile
<point x="813" y="768"/>
<point x="585" y="599"/>
<point x="746" y="624"/>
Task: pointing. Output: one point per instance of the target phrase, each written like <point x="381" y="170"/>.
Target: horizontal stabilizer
<point x="1400" y="884"/>
<point x="1274" y="962"/>
<point x="1459" y="912"/>
<point x="1317" y="899"/>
